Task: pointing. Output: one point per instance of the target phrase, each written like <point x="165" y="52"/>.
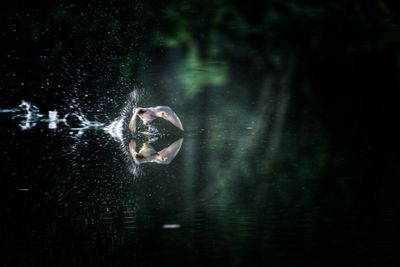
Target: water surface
<point x="288" y="154"/>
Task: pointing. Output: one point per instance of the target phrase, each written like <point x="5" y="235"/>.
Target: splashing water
<point x="28" y="116"/>
<point x="84" y="122"/>
<point x="114" y="129"/>
<point x="31" y="116"/>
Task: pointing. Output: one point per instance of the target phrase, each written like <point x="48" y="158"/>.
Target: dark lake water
<point x="288" y="156"/>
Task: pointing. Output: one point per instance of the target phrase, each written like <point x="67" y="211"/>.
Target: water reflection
<point x="28" y="116"/>
<point x="147" y="153"/>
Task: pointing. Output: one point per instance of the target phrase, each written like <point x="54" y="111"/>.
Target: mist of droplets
<point x="75" y="124"/>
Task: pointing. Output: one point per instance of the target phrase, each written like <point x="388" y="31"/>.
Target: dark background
<point x="290" y="152"/>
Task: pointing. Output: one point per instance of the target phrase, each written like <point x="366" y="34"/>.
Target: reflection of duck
<point x="147" y="115"/>
<point x="148" y="154"/>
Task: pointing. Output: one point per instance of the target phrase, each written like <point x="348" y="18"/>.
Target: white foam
<point x="115" y="129"/>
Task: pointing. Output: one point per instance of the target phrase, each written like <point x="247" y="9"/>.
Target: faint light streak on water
<point x="12" y="110"/>
<point x="171" y="226"/>
<point x="23" y="189"/>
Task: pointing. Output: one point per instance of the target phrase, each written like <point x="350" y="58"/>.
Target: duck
<point x="147" y="115"/>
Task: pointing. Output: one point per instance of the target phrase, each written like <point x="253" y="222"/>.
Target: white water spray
<point x="28" y="116"/>
<point x="114" y="129"/>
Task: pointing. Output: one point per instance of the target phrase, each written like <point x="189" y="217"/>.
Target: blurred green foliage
<point x="211" y="33"/>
